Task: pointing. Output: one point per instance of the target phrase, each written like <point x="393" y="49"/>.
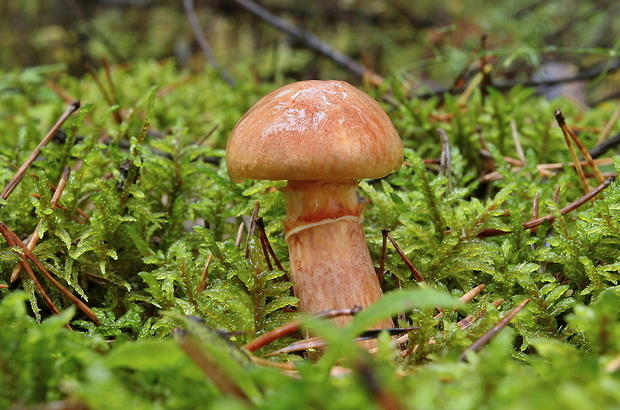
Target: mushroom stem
<point x="330" y="263"/>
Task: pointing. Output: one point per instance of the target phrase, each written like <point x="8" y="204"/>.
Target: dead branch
<point x="74" y="106"/>
<point x="203" y="43"/>
<point x="311" y="41"/>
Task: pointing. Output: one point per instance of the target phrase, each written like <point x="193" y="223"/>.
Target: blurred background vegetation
<point x="431" y="43"/>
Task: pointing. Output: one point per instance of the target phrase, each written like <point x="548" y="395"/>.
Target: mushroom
<point x="322" y="137"/>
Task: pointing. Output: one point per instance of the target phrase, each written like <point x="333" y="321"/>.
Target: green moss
<point x="159" y="204"/>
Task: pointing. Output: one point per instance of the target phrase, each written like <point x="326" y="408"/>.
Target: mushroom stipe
<point x="322" y="137"/>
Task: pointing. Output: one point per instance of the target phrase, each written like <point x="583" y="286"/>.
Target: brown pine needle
<point x="381" y="272"/>
<point x="609" y="125"/>
<point x="471" y="319"/>
<point x="470" y="295"/>
<point x="488" y="336"/>
<point x="412" y="268"/>
<point x="35" y="153"/>
<point x="562" y="123"/>
<point x="574" y="205"/>
<point x="566" y="128"/>
<point x="239" y="237"/>
<point x="10" y="237"/>
<point x="34" y="237"/>
<point x="252" y="228"/>
<point x="267" y="248"/>
<point x="292" y="327"/>
<point x="202" y="284"/>
<point x="24" y="263"/>
<point x="466" y="298"/>
<point x="210" y="367"/>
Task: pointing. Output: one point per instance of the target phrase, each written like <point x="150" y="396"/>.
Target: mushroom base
<point x="330" y="263"/>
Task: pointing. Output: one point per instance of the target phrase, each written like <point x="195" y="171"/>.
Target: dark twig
<point x="192" y="17"/>
<point x="587" y="74"/>
<point x="605" y="146"/>
<point x="74" y="106"/>
<point x="320" y="342"/>
<point x="412" y="268"/>
<point x="311" y="41"/>
<point x="574" y="205"/>
<point x="294" y="326"/>
<point x="488" y="336"/>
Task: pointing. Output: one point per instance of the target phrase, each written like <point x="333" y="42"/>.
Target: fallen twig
<point x="412" y="268"/>
<point x="203" y="43"/>
<point x="34" y="237"/>
<point x="74" y="106"/>
<point x="311" y="41"/>
<point x="10" y="237"/>
<point x="488" y="336"/>
<point x="574" y="205"/>
<point x="570" y="135"/>
<point x="292" y="327"/>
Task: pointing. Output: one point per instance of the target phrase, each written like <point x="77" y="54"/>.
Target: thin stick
<point x="515" y="137"/>
<point x="106" y="95"/>
<point x="574" y="205"/>
<point x="239" y="234"/>
<point x="74" y="106"/>
<point x="609" y="125"/>
<point x="566" y="128"/>
<point x="560" y="120"/>
<point x="311" y="41"/>
<point x="203" y="43"/>
<point x="34" y="237"/>
<point x="488" y="336"/>
<point x="264" y="240"/>
<point x="108" y="75"/>
<point x="559" y="165"/>
<point x="202" y="284"/>
<point x="535" y="210"/>
<point x="445" y="163"/>
<point x="381" y="273"/>
<point x="263" y="245"/>
<point x="471" y="319"/>
<point x="294" y="326"/>
<point x="210" y="367"/>
<point x="412" y="268"/>
<point x="208" y="134"/>
<point x="252" y="228"/>
<point x="466" y="298"/>
<point x="7" y="232"/>
<point x="24" y="263"/>
<point x="319" y="342"/>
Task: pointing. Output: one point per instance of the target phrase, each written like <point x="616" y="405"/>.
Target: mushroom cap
<point x="314" y="130"/>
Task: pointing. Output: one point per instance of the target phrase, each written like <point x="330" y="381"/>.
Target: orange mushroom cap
<point x="314" y="130"/>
